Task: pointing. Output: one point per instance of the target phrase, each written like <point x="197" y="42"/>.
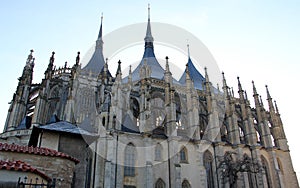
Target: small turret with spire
<point x="18" y="108"/>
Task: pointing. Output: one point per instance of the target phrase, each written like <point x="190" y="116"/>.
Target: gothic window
<point x="129" y="160"/>
<point x="265" y="166"/>
<point x="160" y="183"/>
<point x="185" y="184"/>
<point x="183" y="155"/>
<point x="242" y="135"/>
<point x="158" y="152"/>
<point x="208" y="161"/>
<point x="251" y="184"/>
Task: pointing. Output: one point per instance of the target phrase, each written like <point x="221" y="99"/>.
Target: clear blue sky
<point x="254" y="39"/>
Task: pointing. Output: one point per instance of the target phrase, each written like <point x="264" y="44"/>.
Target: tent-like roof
<point x="195" y="75"/>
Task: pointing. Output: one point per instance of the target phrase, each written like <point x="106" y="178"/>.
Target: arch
<point x="135" y="107"/>
<point x="208" y="164"/>
<point x="185" y="184"/>
<point x="250" y="178"/>
<point x="265" y="166"/>
<point x="129" y="160"/>
<point x="160" y="183"/>
<point x="158" y="152"/>
<point x="183" y="155"/>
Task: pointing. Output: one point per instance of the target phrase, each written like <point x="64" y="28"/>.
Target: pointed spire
<point x="52" y="59"/>
<point x="206" y="75"/>
<point x="119" y="72"/>
<point x="99" y="42"/>
<point x="48" y="72"/>
<point x="254" y="88"/>
<point x="246" y="99"/>
<point x="188" y="48"/>
<point x="261" y="101"/>
<point x="77" y="58"/>
<point x="268" y="93"/>
<point x="239" y="84"/>
<point x="148" y="38"/>
<point x="30" y="56"/>
<point x="167" y="64"/>
<point x="100" y="31"/>
<point x="225" y="87"/>
<point x="276" y="107"/>
<point x="130" y="75"/>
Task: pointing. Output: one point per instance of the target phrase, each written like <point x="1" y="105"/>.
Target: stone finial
<point x="78" y="58"/>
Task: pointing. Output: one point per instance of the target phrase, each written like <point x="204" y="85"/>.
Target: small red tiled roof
<point x="22" y="166"/>
<point x="35" y="151"/>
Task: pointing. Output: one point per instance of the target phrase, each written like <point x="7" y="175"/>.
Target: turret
<point x="277" y="127"/>
<point x="18" y="108"/>
<point x="168" y="75"/>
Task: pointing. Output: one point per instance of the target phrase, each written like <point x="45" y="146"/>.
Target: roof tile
<point x="35" y="151"/>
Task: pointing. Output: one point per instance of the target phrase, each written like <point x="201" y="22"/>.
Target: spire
<point x="129" y="75"/>
<point x="30" y="58"/>
<point x="206" y="75"/>
<point x="48" y="72"/>
<point x="188" y="48"/>
<point x="254" y="88"/>
<point x="225" y="87"/>
<point x="77" y="58"/>
<point x="269" y="99"/>
<point x="167" y="64"/>
<point x="276" y="107"/>
<point x="148" y="38"/>
<point x="268" y="93"/>
<point x="194" y="74"/>
<point x="155" y="70"/>
<point x="207" y="83"/>
<point x="246" y="99"/>
<point x="239" y="84"/>
<point x="99" y="42"/>
<point x="241" y="91"/>
<point x="119" y="72"/>
<point x="100" y="31"/>
<point x="261" y="102"/>
<point x="96" y="63"/>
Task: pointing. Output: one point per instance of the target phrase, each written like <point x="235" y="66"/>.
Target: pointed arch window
<point x="183" y="155"/>
<point x="185" y="184"/>
<point x="160" y="183"/>
<point x="129" y="160"/>
<point x="208" y="164"/>
<point x="265" y="166"/>
<point x="158" y="152"/>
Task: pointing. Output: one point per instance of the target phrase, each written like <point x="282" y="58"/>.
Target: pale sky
<point x="254" y="39"/>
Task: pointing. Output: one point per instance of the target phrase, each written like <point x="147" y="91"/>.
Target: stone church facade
<point x="149" y="129"/>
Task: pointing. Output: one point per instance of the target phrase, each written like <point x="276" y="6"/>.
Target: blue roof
<point x="67" y="127"/>
<point x="195" y="75"/>
<point x="96" y="63"/>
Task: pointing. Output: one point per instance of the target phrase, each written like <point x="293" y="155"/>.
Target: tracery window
<point x="265" y="166"/>
<point x="129" y="160"/>
<point x="183" y="155"/>
<point x="208" y="161"/>
<point x="185" y="184"/>
<point x="160" y="183"/>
